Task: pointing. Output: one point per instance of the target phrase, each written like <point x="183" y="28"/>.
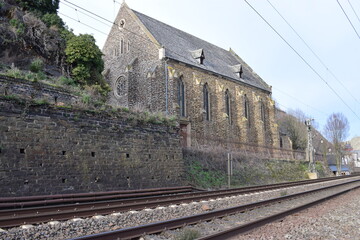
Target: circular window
<point x="120" y="87"/>
<point x="121" y="23"/>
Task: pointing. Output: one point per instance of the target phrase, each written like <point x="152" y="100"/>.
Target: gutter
<point x="166" y="87"/>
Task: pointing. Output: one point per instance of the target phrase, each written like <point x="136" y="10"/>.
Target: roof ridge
<point x="179" y="30"/>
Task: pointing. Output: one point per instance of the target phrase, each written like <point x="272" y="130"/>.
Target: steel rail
<point x="134" y="232"/>
<point x="95" y="195"/>
<point x="83" y="197"/>
<point x="245" y="228"/>
<point x="16" y="217"/>
<point x="61" y="201"/>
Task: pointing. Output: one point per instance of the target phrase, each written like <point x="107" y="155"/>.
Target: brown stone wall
<point x="140" y="65"/>
<point x="36" y="91"/>
<point x="239" y="129"/>
<point x="51" y="150"/>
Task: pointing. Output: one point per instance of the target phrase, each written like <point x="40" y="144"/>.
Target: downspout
<point x="166" y="87"/>
<point x="162" y="56"/>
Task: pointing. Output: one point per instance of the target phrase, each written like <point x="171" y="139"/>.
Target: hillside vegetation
<point x="36" y="45"/>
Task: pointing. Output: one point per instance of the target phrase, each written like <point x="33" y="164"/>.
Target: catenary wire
<point x="313" y="52"/>
<point x="354" y="10"/>
<point x="106" y="24"/>
<point x="302" y="58"/>
<point x="348" y="18"/>
<point x="148" y="40"/>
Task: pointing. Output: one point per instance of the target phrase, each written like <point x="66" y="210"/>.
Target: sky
<point x="318" y="84"/>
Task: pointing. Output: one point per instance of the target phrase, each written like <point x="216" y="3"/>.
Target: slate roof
<point x="180" y="45"/>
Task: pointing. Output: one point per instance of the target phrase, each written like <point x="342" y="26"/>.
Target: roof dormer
<point x="237" y="69"/>
<point x="198" y="55"/>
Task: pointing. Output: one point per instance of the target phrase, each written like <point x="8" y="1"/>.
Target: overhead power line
<point x="302" y="58"/>
<point x="296" y="99"/>
<point x="354" y="11"/>
<point x="313" y="52"/>
<point x="348" y="18"/>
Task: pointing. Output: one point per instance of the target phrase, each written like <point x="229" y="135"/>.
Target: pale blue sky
<point x="232" y="23"/>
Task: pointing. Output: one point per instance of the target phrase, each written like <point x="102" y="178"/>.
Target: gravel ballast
<point x="80" y="227"/>
<point x="338" y="218"/>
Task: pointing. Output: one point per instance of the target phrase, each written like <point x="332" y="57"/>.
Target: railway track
<point x="62" y="199"/>
<point x="34" y="214"/>
<point x="308" y="199"/>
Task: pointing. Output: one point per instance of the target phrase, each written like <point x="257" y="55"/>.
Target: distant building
<point x="217" y="96"/>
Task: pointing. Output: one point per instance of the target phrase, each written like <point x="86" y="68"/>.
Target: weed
<point x="188" y="234"/>
<point x="18" y="25"/>
<point x="205" y="178"/>
<point x="41" y="102"/>
<point x="85" y="98"/>
<point x="66" y="81"/>
<point x="36" y="66"/>
<point x="125" y="109"/>
<point x="283" y="193"/>
<point x="14" y="72"/>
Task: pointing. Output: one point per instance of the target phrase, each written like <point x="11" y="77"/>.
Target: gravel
<point x="338" y="218"/>
<point x="75" y="228"/>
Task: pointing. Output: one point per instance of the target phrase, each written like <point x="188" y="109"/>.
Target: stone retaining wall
<point x="46" y="149"/>
<point x="36" y="91"/>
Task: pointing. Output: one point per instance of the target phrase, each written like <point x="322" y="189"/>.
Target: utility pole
<point x="310" y="148"/>
<point x="230" y="171"/>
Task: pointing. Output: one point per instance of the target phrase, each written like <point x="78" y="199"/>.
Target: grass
<point x="188" y="234"/>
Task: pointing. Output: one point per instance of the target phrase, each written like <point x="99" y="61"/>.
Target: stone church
<point x="218" y="98"/>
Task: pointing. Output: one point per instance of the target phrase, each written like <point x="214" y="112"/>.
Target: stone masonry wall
<point x="240" y="129"/>
<point x="137" y="64"/>
<point x="35" y="91"/>
<point x="50" y="150"/>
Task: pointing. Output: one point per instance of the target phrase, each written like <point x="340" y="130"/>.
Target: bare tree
<point x="336" y="130"/>
<point x="293" y="125"/>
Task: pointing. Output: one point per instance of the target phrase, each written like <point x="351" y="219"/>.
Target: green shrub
<point x="37" y="65"/>
<point x="52" y="19"/>
<point x="66" y="81"/>
<point x="18" y="25"/>
<point x="85" y="98"/>
<point x="14" y="72"/>
<point x="40" y="7"/>
<point x="41" y="102"/>
<point x="205" y="178"/>
<point x="85" y="58"/>
<point x="125" y="109"/>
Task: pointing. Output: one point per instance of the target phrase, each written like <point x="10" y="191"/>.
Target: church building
<point x="218" y="98"/>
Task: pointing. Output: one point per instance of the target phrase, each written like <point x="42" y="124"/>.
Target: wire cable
<point x="313" y="52"/>
<point x="354" y="10"/>
<point x="302" y="58"/>
<point x="348" y="19"/>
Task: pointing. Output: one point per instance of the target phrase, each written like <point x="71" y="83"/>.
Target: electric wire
<point x="313" y="52"/>
<point x="302" y="58"/>
<point x="82" y="23"/>
<point x="354" y="10"/>
<point x="296" y="99"/>
<point x="105" y="34"/>
<point x="106" y="24"/>
<point x="148" y="40"/>
<point x="348" y="19"/>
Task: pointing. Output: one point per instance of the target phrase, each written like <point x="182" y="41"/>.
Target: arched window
<point x="247" y="109"/>
<point x="122" y="47"/>
<point x="227" y="105"/>
<point x="262" y="111"/>
<point x="206" y="100"/>
<point x="181" y="97"/>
